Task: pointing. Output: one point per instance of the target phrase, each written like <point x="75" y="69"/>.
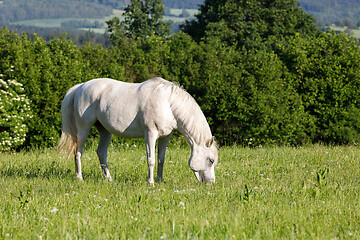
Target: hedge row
<point x="303" y="90"/>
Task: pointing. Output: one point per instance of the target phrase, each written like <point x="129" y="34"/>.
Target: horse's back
<point x="125" y="109"/>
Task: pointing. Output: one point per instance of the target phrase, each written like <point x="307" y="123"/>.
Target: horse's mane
<point x="187" y="112"/>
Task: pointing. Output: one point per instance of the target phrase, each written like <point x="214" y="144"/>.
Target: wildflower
<point x="54" y="210"/>
<point x="14" y="110"/>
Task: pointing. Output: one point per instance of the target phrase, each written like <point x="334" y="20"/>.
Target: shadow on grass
<point x="47" y="171"/>
<point x="56" y="171"/>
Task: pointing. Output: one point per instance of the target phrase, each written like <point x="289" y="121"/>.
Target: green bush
<point x="47" y="70"/>
<point x="325" y="72"/>
<point x="15" y="112"/>
<point x="243" y="94"/>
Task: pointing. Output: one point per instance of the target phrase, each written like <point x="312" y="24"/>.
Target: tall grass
<point x="271" y="192"/>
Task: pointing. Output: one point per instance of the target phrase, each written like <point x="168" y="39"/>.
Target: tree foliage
<point x="270" y="103"/>
<point x="143" y="18"/>
<point x="243" y="22"/>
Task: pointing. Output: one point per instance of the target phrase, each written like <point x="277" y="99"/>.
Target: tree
<point x="185" y="13"/>
<point x="241" y="21"/>
<point x="349" y="23"/>
<point x="142" y="19"/>
<point x="268" y="73"/>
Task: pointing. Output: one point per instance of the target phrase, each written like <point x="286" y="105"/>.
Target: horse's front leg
<point x="102" y="150"/>
<point x="150" y="141"/>
<point x="78" y="165"/>
<point x="162" y="144"/>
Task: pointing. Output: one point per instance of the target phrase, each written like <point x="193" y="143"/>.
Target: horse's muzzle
<point x="204" y="176"/>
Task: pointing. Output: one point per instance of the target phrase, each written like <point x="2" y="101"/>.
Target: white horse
<point x="152" y="109"/>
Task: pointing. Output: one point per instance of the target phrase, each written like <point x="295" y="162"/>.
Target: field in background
<point x="175" y="16"/>
<point x="269" y="192"/>
<point x="352" y="32"/>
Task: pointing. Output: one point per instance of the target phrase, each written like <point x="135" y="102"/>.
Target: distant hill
<point x="183" y="4"/>
<point x="18" y="10"/>
<point x="339" y="12"/>
<point x="83" y="20"/>
<point x="332" y="11"/>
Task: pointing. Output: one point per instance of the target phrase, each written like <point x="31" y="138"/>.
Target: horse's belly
<point x="125" y="125"/>
<point x="134" y="130"/>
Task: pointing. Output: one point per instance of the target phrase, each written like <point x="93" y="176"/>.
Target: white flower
<point x="54" y="210"/>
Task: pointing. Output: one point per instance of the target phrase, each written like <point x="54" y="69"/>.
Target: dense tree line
<point x="82" y="24"/>
<point x="78" y="37"/>
<point x="186" y="4"/>
<point x="294" y="79"/>
<point x="260" y="70"/>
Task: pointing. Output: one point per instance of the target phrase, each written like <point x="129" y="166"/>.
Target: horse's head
<point x="203" y="160"/>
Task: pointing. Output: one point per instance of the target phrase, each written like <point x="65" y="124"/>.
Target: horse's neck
<point x="195" y="133"/>
<point x="190" y="119"/>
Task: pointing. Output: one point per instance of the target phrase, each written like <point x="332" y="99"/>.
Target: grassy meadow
<point x="260" y="193"/>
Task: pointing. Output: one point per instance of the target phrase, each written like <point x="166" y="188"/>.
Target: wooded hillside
<point x="16" y="10"/>
<point x="325" y="11"/>
<point x="332" y="11"/>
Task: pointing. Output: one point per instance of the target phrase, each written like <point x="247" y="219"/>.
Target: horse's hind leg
<point x="102" y="150"/>
<point x="81" y="138"/>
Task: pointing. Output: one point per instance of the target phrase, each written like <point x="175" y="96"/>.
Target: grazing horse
<point x="152" y="109"/>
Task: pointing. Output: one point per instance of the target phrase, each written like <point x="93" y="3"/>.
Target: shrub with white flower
<point x="14" y="112"/>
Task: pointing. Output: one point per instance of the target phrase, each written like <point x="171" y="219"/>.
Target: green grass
<point x="261" y="193"/>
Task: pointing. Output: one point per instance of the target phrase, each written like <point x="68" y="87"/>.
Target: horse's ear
<point x="210" y="142"/>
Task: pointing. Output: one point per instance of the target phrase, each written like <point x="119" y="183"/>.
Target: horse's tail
<point x="68" y="140"/>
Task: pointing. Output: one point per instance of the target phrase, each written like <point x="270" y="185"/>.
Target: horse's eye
<point x="211" y="160"/>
